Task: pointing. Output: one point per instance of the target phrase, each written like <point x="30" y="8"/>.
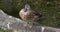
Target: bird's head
<point x="27" y="6"/>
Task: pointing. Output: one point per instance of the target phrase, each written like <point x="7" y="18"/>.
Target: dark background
<point x="50" y="9"/>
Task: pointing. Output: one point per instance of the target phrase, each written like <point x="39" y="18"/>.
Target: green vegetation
<point x="50" y="10"/>
<point x="2" y="30"/>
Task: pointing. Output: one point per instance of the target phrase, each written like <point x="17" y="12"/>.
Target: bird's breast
<point x="26" y="15"/>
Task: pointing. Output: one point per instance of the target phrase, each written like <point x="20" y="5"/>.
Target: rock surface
<point x="7" y="21"/>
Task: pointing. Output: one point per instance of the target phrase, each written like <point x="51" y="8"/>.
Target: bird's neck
<point x="26" y="10"/>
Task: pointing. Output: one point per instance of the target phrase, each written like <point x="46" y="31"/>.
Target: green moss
<point x="2" y="30"/>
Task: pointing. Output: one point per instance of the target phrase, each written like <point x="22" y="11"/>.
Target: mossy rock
<point x="50" y="9"/>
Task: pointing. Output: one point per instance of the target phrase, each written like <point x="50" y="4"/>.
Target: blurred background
<point x="50" y="10"/>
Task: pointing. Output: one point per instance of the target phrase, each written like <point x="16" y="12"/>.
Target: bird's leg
<point x="25" y="24"/>
<point x="30" y="24"/>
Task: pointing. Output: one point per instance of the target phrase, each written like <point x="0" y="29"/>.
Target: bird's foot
<point x="25" y="25"/>
<point x="30" y="26"/>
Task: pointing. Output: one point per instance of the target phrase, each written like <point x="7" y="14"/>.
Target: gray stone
<point x="10" y="22"/>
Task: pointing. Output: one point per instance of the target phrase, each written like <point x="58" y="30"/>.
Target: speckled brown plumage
<point x="29" y="15"/>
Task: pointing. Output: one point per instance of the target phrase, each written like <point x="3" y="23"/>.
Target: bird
<point x="29" y="15"/>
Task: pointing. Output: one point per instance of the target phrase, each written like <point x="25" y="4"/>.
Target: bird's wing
<point x="37" y="13"/>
